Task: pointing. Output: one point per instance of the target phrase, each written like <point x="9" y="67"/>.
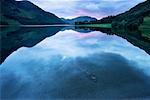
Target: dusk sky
<point x="94" y="8"/>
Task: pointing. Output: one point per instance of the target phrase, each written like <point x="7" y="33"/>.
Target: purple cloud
<point x="95" y="8"/>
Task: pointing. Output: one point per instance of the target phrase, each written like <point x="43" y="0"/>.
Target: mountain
<point x="79" y="19"/>
<point x="26" y="13"/>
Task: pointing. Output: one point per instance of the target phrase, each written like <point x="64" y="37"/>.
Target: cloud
<point x="101" y="8"/>
<point x="95" y="8"/>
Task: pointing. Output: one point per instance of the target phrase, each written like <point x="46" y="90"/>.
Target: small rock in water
<point x="93" y="78"/>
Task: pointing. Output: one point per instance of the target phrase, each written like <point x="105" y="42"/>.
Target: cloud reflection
<point x="115" y="77"/>
<point x="76" y="65"/>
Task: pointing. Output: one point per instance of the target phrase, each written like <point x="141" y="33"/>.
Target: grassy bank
<point x="145" y="28"/>
<point x="145" y="24"/>
<point x="108" y="25"/>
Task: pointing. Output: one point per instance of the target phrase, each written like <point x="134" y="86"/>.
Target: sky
<point x="93" y="8"/>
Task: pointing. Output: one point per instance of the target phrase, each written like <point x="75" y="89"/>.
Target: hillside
<point x="145" y="27"/>
<point x="24" y="12"/>
<point x="133" y="18"/>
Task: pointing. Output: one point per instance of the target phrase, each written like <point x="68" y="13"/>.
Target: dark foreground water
<point x="75" y="65"/>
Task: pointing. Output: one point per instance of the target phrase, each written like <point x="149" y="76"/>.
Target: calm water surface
<point x="77" y="65"/>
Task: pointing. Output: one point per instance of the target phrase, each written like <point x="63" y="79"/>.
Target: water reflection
<point x="77" y="65"/>
<point x="13" y="38"/>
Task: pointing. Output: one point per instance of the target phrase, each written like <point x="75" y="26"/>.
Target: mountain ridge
<point x="26" y="13"/>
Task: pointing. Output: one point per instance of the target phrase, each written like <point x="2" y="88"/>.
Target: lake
<point x="65" y="63"/>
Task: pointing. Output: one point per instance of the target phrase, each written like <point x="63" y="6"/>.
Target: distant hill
<point x="79" y="19"/>
<point x="24" y="12"/>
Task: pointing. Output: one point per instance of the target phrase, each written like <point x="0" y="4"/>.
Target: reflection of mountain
<point x="12" y="39"/>
<point x="136" y="39"/>
<point x="104" y="30"/>
<point x="79" y="19"/>
<point x="24" y="12"/>
<point x="77" y="29"/>
<point x="133" y="37"/>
